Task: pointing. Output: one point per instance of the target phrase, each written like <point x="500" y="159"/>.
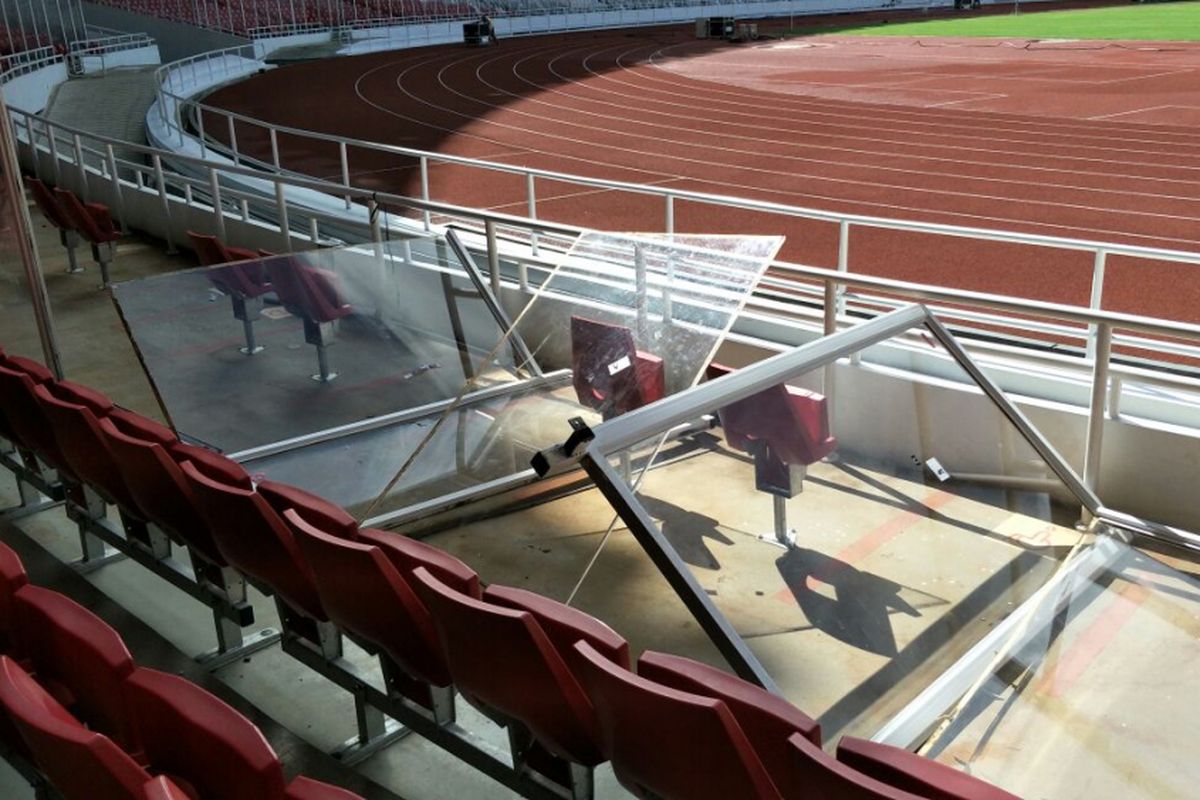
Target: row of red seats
<point x="99" y="727"/>
<point x="73" y="218"/>
<point x="560" y="680"/>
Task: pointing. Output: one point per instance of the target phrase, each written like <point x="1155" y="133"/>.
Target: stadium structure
<point x="596" y="398"/>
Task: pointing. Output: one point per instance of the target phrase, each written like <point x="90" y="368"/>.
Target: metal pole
<point x="643" y="310"/>
<point x="118" y="198"/>
<point x="425" y="188"/>
<point x="274" y="148"/>
<point x="233" y="139"/>
<point x="200" y="131"/>
<point x="78" y="143"/>
<point x="843" y="266"/>
<point x="166" y="205"/>
<point x="22" y="228"/>
<point x="671" y="214"/>
<point x="493" y="254"/>
<point x="345" y="169"/>
<point x="214" y="188"/>
<point x="1097" y="299"/>
<point x="1096" y="416"/>
<point x="532" y="196"/>
<point x="281" y="206"/>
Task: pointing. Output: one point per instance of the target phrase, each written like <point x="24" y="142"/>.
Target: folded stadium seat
<point x="79" y="763"/>
<point x="22" y="412"/>
<point x="204" y="744"/>
<point x="503" y="662"/>
<point x="913" y="773"/>
<point x="327" y="517"/>
<point x="669" y="744"/>
<point x="245" y="283"/>
<point x="785" y="428"/>
<point x="94" y="223"/>
<point x="47" y="203"/>
<point x="767" y="719"/>
<point x="253" y="538"/>
<point x="826" y="778"/>
<point x="78" y="658"/>
<point x="407" y="554"/>
<point x="147" y="456"/>
<point x="608" y="371"/>
<point x="368" y="599"/>
<point x="312" y="295"/>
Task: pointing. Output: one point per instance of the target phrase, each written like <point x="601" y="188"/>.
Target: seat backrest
<point x="793" y="422"/>
<point x="12" y="580"/>
<point x="253" y="538"/>
<point x="47" y="203"/>
<point x="671" y="743"/>
<point x="304" y="290"/>
<point x="23" y="412"/>
<point x="364" y="594"/>
<point x="156" y="482"/>
<point x="81" y="219"/>
<point x="163" y="788"/>
<point x="78" y="657"/>
<point x="604" y="373"/>
<point x="189" y="733"/>
<point x="74" y="411"/>
<point x="500" y="657"/>
<point x="767" y="719"/>
<point x="208" y="249"/>
<point x="407" y="555"/>
<point x="826" y="778"/>
<point x="563" y="625"/>
<point x="81" y="764"/>
<point x="914" y="773"/>
<point x="317" y="511"/>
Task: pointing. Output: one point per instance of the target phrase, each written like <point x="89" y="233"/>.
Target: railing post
<point x="118" y="198"/>
<point x="532" y="197"/>
<point x="1115" y="385"/>
<point x="843" y="265"/>
<point x="345" y="170"/>
<point x="83" y="182"/>
<point x="52" y="138"/>
<point x="1097" y="299"/>
<point x="493" y="255"/>
<point x="314" y="231"/>
<point x="281" y="207"/>
<point x="1096" y="415"/>
<point x="214" y="188"/>
<point x="640" y="290"/>
<point x="425" y="188"/>
<point x="200" y="132"/>
<point x="232" y="139"/>
<point x="670" y="200"/>
<point x="166" y="204"/>
<point x="274" y="148"/>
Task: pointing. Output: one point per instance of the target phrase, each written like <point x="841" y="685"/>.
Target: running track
<point x="801" y="125"/>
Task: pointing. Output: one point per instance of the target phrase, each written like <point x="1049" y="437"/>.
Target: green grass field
<point x="1159" y="21"/>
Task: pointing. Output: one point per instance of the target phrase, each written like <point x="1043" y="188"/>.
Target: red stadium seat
<point x="312" y="295"/>
<point x="162" y="788"/>
<point x="80" y="764"/>
<point x="914" y="773"/>
<point x="327" y="517"/>
<point x="767" y="719"/>
<point x="251" y="536"/>
<point x="670" y="744"/>
<point x="245" y="283"/>
<point x="826" y="778"/>
<point x="408" y="554"/>
<point x="191" y="735"/>
<point x="22" y="411"/>
<point x="608" y="371"/>
<point x="12" y="580"/>
<point x="48" y="204"/>
<point x="93" y="222"/>
<point x="502" y="660"/>
<point x="78" y="658"/>
<point x="364" y="594"/>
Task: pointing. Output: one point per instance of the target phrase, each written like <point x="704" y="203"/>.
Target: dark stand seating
<point x="502" y="661"/>
<point x="312" y="295"/>
<point x="93" y="222"/>
<point x="608" y="371"/>
<point x="785" y="429"/>
<point x="664" y="743"/>
<point x="47" y="203"/>
<point x="244" y="283"/>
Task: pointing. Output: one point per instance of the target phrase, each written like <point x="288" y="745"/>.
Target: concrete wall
<point x="31" y="91"/>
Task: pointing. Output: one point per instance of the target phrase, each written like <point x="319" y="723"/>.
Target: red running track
<point x="884" y="127"/>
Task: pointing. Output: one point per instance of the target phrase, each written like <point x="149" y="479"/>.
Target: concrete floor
<point x="881" y="594"/>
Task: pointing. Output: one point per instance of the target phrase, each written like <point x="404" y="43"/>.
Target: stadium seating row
<point x="100" y="727"/>
<point x="73" y="218"/>
<point x="559" y="680"/>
